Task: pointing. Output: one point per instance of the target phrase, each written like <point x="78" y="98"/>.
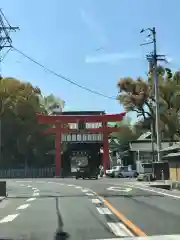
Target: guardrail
<point x="27" y="173"/>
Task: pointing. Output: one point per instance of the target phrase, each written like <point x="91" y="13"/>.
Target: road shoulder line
<point x="149" y="189"/>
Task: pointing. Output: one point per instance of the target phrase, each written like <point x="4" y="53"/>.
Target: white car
<point x="113" y="171"/>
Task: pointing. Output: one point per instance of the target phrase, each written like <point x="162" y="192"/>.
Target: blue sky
<point x="65" y="34"/>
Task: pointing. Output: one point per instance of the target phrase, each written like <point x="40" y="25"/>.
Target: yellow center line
<point x="131" y="226"/>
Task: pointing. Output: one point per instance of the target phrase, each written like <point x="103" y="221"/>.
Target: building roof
<point x="177" y="154"/>
<point x="144" y="136"/>
<point x="140" y="149"/>
<point x="172" y="148"/>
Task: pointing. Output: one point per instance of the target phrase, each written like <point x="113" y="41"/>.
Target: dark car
<point x="86" y="172"/>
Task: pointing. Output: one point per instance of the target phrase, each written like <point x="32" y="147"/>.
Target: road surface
<point x="91" y="209"/>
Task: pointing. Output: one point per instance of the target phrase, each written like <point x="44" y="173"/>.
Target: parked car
<point x="113" y="171"/>
<point x="86" y="172"/>
<point x="125" y="172"/>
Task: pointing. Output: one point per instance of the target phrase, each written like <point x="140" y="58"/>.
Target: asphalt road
<point x="154" y="211"/>
<point x="30" y="209"/>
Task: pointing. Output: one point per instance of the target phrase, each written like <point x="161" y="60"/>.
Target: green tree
<point x="138" y="96"/>
<point x="21" y="139"/>
<point x="126" y="133"/>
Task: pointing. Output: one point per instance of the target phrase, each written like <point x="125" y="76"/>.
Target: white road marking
<point x="96" y="201"/>
<point x="84" y="190"/>
<point x="151" y="190"/>
<point x="119" y="189"/>
<point x="119" y="230"/>
<point x="89" y="194"/>
<point x="30" y="199"/>
<point x="9" y="218"/>
<point x="24" y="206"/>
<point x="78" y="187"/>
<point x="36" y="194"/>
<point x="104" y="211"/>
<point x="71" y="185"/>
<point x="29" y="186"/>
<point x="22" y="185"/>
<point x="36" y="190"/>
<point x="41" y="182"/>
<point x="94" y="192"/>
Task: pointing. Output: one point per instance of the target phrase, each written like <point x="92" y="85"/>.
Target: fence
<point x="28" y="173"/>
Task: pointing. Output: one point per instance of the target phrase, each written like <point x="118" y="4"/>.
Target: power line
<point x="5" y="39"/>
<point x="61" y="76"/>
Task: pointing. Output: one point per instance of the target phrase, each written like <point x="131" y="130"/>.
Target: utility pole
<point x="152" y="120"/>
<point x="5" y="46"/>
<point x="154" y="58"/>
<point x="5" y="39"/>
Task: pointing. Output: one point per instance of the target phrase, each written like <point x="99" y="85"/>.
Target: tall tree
<point x="126" y="133"/>
<point x="22" y="141"/>
<point x="138" y="96"/>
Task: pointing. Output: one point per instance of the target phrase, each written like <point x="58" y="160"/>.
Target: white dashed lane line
<point x="89" y="194"/>
<point x="36" y="190"/>
<point x="35" y="194"/>
<point x="119" y="229"/>
<point x="96" y="201"/>
<point x="84" y="190"/>
<point x="9" y="218"/>
<point x="30" y="199"/>
<point x="24" y="206"/>
<point x="104" y="211"/>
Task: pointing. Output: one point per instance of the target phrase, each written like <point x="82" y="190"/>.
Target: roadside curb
<point x="175" y="185"/>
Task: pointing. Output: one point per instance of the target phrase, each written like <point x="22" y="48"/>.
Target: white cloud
<point x="110" y="57"/>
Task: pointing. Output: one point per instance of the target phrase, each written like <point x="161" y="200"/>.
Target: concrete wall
<point x="174" y="167"/>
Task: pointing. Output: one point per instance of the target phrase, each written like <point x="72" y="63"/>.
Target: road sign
<point x="119" y="189"/>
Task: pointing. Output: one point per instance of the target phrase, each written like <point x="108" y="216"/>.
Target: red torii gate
<point x="59" y="122"/>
